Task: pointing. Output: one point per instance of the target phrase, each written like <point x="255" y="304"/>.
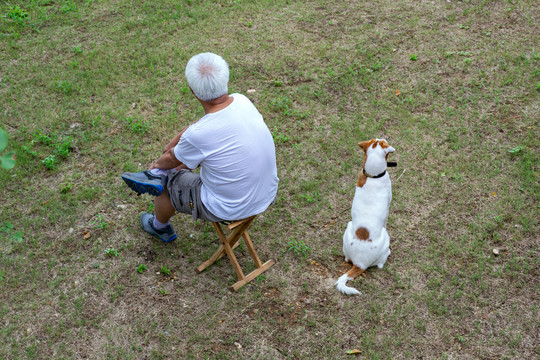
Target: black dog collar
<point x="372" y="176"/>
<point x="389" y="164"/>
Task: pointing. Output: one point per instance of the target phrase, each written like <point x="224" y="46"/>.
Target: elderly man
<point x="233" y="148"/>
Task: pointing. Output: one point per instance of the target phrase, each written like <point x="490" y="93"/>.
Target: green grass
<point x="90" y="89"/>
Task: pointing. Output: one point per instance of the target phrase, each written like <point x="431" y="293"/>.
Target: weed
<point x="65" y="87"/>
<point x="298" y="247"/>
<point x="310" y="198"/>
<point x="163" y="291"/>
<point x="165" y="271"/>
<point x="413" y="57"/>
<point x="63" y="148"/>
<point x="17" y="14"/>
<point x="516" y="150"/>
<point x="282" y="103"/>
<point x="100" y="223"/>
<point x="43" y="138"/>
<point x="68" y="6"/>
<point x="137" y="125"/>
<point x="8" y="228"/>
<point x="111" y="252"/>
<point x="7" y="161"/>
<point x="65" y="187"/>
<point x="50" y="162"/>
<point x="141" y="268"/>
<point x="77" y="50"/>
<point x="278" y="137"/>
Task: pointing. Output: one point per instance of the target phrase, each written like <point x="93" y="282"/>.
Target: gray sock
<point x="158" y="225"/>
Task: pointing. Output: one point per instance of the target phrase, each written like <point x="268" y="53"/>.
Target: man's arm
<point x="167" y="161"/>
<point x="174" y="141"/>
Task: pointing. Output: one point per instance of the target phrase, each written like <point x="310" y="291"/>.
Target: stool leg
<point x="227" y="241"/>
<point x="251" y="249"/>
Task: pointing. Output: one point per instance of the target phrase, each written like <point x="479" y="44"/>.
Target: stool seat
<point x="237" y="229"/>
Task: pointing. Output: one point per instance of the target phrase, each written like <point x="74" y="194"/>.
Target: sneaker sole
<point x="170" y="239"/>
<point x="142" y="188"/>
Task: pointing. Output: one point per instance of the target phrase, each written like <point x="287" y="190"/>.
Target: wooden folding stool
<point x="238" y="229"/>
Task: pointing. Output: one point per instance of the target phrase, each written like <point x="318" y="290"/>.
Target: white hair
<point x="207" y="75"/>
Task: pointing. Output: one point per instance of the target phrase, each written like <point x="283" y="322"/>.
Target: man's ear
<point x="365" y="144"/>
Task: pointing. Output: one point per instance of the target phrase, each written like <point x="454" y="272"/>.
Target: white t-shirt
<point x="237" y="155"/>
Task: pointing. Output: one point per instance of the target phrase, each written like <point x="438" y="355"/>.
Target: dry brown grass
<point x="326" y="76"/>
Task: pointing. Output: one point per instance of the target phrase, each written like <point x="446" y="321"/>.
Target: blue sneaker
<point x="147" y="223"/>
<point x="144" y="182"/>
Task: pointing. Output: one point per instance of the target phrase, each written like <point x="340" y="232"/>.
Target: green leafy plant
<point x="64" y="86"/>
<point x="63" y="148"/>
<point x="45" y="139"/>
<point x="138" y="126"/>
<point x="111" y="252"/>
<point x="100" y="223"/>
<point x="141" y="268"/>
<point x="68" y="6"/>
<point x="50" y="162"/>
<point x="516" y="150"/>
<point x="310" y="198"/>
<point x="298" y="247"/>
<point x="413" y="57"/>
<point x="66" y="187"/>
<point x="7" y="161"/>
<point x="278" y="137"/>
<point x="165" y="271"/>
<point x="8" y="228"/>
<point x="17" y="14"/>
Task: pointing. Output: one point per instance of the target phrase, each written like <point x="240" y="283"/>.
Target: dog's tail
<point x="341" y="283"/>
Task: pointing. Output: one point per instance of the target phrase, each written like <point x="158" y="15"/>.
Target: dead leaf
<point x="398" y="92"/>
<point x="86" y="235"/>
<point x="354" y="351"/>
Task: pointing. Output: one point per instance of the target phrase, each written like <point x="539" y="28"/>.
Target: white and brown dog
<point x="366" y="242"/>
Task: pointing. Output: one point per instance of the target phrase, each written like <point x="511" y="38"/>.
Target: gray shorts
<point x="184" y="189"/>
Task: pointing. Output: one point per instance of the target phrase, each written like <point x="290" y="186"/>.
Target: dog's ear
<point x="387" y="148"/>
<point x="365" y="144"/>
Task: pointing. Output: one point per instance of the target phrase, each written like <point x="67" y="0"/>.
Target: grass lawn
<point x="92" y="88"/>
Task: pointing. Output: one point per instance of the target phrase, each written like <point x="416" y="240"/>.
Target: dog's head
<point x="376" y="147"/>
<point x="376" y="154"/>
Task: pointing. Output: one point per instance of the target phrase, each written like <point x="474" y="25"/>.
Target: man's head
<point x="207" y="75"/>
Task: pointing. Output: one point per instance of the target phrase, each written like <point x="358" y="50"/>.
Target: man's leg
<point x="158" y="224"/>
<point x="163" y="209"/>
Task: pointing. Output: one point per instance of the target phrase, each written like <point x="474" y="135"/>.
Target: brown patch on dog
<point x="355" y="271"/>
<point x="362" y="234"/>
<point x="361" y="180"/>
<point x="384" y="144"/>
<point x="366" y="144"/>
